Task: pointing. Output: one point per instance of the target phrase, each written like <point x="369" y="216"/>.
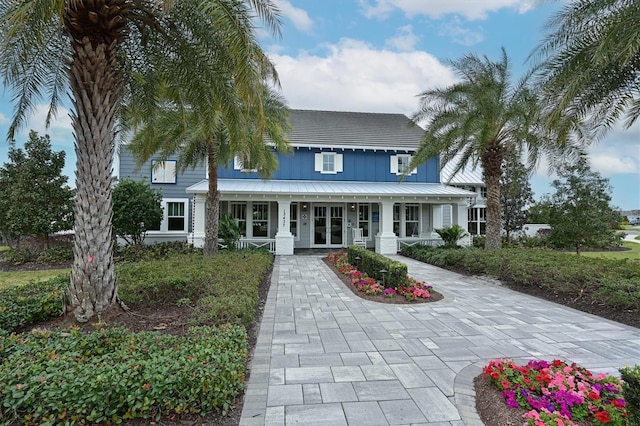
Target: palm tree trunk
<point x="212" y="205"/>
<point x="492" y="168"/>
<point x="96" y="86"/>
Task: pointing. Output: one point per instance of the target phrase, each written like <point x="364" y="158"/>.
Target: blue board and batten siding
<point x="357" y="165"/>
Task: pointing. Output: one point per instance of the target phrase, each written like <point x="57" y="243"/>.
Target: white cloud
<point x="459" y="34"/>
<point x="471" y="9"/>
<point x="60" y="128"/>
<point x="405" y="40"/>
<point x="3" y="119"/>
<point x="618" y="152"/>
<point x="353" y="76"/>
<point x="299" y="17"/>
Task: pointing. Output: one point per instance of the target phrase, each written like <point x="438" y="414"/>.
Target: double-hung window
<point x="260" y="219"/>
<point x="239" y="213"/>
<point x="163" y="171"/>
<point x="364" y="218"/>
<point x="328" y="162"/>
<point x="412" y="220"/>
<point x="175" y="215"/>
<point x="399" y="164"/>
<point x="293" y="219"/>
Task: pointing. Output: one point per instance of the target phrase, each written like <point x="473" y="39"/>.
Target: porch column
<point x="284" y="237"/>
<point x="436" y="219"/>
<point x="386" y="240"/>
<point x="198" y="220"/>
<point x="460" y="216"/>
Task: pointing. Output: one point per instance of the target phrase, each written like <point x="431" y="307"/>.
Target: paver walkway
<point x="326" y="357"/>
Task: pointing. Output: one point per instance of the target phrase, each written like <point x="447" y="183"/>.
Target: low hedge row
<point x="373" y="263"/>
<point x="31" y="303"/>
<point x="111" y="375"/>
<point x="631" y="390"/>
<point x="612" y="282"/>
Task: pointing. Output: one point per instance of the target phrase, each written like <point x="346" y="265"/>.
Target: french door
<point x="328" y="225"/>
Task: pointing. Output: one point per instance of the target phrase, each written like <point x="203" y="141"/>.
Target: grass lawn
<point x="633" y="254"/>
<point x="637" y="238"/>
<point x="4" y="248"/>
<point x="9" y="279"/>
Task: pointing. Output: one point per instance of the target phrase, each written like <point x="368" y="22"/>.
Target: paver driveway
<point x="327" y="357"/>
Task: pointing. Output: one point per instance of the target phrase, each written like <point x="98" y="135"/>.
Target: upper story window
<point x="163" y="171"/>
<point x="400" y="164"/>
<point x="483" y="191"/>
<point x="328" y="163"/>
<point x="243" y="165"/>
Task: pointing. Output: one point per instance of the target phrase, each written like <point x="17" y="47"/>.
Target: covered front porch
<point x="284" y="215"/>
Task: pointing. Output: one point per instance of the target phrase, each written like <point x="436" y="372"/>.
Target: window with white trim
<point x="163" y="171"/>
<point x="396" y="219"/>
<point x="328" y="162"/>
<point x="243" y="165"/>
<point x="260" y="219"/>
<point x="293" y="219"/>
<point x="400" y="163"/>
<point x="239" y="213"/>
<point x="411" y="220"/>
<point x="364" y="218"/>
<point x="175" y="215"/>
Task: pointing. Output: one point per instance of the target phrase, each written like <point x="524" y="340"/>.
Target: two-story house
<point x="343" y="175"/>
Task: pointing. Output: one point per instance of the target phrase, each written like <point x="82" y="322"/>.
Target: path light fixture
<point x="384" y="276"/>
<point x="357" y="259"/>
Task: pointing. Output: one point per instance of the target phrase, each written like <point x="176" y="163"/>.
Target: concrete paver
<point x="324" y="356"/>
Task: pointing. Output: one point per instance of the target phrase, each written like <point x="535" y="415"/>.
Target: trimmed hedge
<point x="631" y="392"/>
<point x="111" y="375"/>
<point x="372" y="263"/>
<point x="31" y="303"/>
<point x="615" y="283"/>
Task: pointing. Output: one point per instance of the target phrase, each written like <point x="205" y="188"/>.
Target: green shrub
<point x="451" y="235"/>
<point x="614" y="283"/>
<point x="139" y="252"/>
<point x="17" y="256"/>
<point x="224" y="288"/>
<point x="31" y="303"/>
<point x="112" y="375"/>
<point x="55" y="255"/>
<point x="373" y="263"/>
<point x="631" y="391"/>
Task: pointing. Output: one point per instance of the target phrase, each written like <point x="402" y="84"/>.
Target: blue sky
<point x="378" y="55"/>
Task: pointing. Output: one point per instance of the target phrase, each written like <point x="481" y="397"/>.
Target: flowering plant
<point x="558" y="394"/>
<point x="413" y="290"/>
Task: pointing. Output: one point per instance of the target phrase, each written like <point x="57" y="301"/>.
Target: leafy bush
<point x="139" y="252"/>
<point x="31" y="303"/>
<point x="631" y="391"/>
<point x="372" y="263"/>
<point x="615" y="283"/>
<point x="231" y="277"/>
<point x="136" y="208"/>
<point x="451" y="235"/>
<point x="55" y="255"/>
<point x="113" y="375"/>
<point x="17" y="256"/>
<point x="229" y="231"/>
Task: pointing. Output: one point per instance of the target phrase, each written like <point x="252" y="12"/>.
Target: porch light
<point x="352" y="207"/>
<point x="305" y="207"/>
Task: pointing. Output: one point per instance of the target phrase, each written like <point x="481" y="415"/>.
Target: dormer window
<point x="243" y="165"/>
<point x="328" y="163"/>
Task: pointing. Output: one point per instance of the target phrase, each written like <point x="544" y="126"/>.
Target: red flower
<point x="505" y="384"/>
<point x="603" y="416"/>
<point x="495" y="375"/>
<point x="594" y="396"/>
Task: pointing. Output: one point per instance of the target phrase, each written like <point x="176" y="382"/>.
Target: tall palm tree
<point x="589" y="64"/>
<point x="478" y="120"/>
<point x="209" y="133"/>
<point x="101" y="52"/>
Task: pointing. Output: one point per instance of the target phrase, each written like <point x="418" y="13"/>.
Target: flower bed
<point x="413" y="290"/>
<point x="558" y="394"/>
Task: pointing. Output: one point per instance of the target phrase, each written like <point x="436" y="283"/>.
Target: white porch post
<point x="436" y="219"/>
<point x="284" y="237"/>
<point x="198" y="219"/>
<point x="386" y="240"/>
<point x="461" y="217"/>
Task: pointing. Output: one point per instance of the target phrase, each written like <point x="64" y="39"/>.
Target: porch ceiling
<point x="352" y="190"/>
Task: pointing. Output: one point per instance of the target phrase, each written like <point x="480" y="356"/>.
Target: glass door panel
<point x="336" y="225"/>
<point x="320" y="225"/>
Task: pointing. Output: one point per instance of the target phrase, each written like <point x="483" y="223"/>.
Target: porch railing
<point x="419" y="241"/>
<point x="269" y="244"/>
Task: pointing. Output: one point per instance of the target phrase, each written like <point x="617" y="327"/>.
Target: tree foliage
<point x="481" y="118"/>
<point x="579" y="210"/>
<point x="35" y="199"/>
<point x="515" y="193"/>
<point x="136" y="208"/>
<point x="451" y="235"/>
<point x="590" y="62"/>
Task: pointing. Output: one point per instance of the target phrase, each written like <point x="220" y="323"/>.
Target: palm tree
<point x="101" y="52"/>
<point x="209" y="133"/>
<point x="478" y="120"/>
<point x="589" y="65"/>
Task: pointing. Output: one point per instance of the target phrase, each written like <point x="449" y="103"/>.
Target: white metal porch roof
<point x="330" y="188"/>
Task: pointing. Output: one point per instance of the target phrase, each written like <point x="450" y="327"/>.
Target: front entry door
<point x="327" y="225"/>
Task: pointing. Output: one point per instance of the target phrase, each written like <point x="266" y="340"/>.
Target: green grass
<point x="10" y="279"/>
<point x="4" y="248"/>
<point x="637" y="237"/>
<point x="633" y="254"/>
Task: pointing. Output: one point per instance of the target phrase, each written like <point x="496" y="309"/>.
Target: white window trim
<point x="250" y="218"/>
<point x="164" y="224"/>
<point x="238" y="164"/>
<point x="393" y="164"/>
<point x="163" y="171"/>
<point x="368" y="220"/>
<point x="337" y="162"/>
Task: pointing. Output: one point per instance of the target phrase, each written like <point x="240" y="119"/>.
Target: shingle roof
<point x="353" y="130"/>
<point x="333" y="188"/>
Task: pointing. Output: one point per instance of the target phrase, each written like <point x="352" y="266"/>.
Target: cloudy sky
<point x="379" y="55"/>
